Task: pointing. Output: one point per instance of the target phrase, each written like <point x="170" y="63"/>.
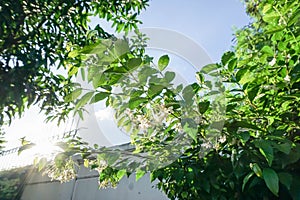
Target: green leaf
<point x="190" y="127"/>
<point x="146" y="72"/>
<point x="73" y="54"/>
<point x="294" y="18"/>
<point x="271" y="179"/>
<point x="169" y="76"/>
<point x="73" y="70"/>
<point x="232" y="64"/>
<point x="240" y="74"/>
<point x="112" y="157"/>
<point x="121" y="173"/>
<point x="97" y="48"/>
<point x="155" y="90"/>
<point x="267" y="50"/>
<point x="266" y="150"/>
<point x="84" y="100"/>
<point x="188" y="94"/>
<point x="209" y="68"/>
<point x="293" y="156"/>
<point x="152" y="177"/>
<point x="184" y="195"/>
<point x="134" y="62"/>
<point x="252" y="93"/>
<point x="203" y="106"/>
<point x="99" y="96"/>
<point x="200" y="77"/>
<point x="99" y="80"/>
<point x="73" y="95"/>
<point x="246" y="179"/>
<point x="139" y="174"/>
<point x="121" y="47"/>
<point x="135" y="102"/>
<point x="82" y="70"/>
<point x="271" y="17"/>
<point x="163" y="62"/>
<point x="274" y="29"/>
<point x="244" y="137"/>
<point x="284" y="147"/>
<point x="286" y="179"/>
<point x="227" y="57"/>
<point x="86" y="163"/>
<point x="245" y="124"/>
<point x="246" y="77"/>
<point x="266" y="8"/>
<point x="256" y="169"/>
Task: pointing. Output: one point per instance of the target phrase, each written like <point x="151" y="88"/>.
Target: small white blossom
<point x="222" y="139"/>
<point x="272" y="62"/>
<point x="287" y="78"/>
<point x="178" y="128"/>
<point x="206" y="145"/>
<point x="144" y="123"/>
<point x="160" y="113"/>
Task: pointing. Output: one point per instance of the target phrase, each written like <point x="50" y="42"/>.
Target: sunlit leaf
<point x="163" y="62"/>
<point x="99" y="96"/>
<point x="121" y="173"/>
<point x="73" y="95"/>
<point x="246" y="179"/>
<point x="267" y="50"/>
<point x="209" y="68"/>
<point x="135" y="102"/>
<point x="256" y="169"/>
<point x="139" y="174"/>
<point x="84" y="100"/>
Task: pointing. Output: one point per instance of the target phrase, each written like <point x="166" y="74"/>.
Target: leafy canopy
<point x="35" y="40"/>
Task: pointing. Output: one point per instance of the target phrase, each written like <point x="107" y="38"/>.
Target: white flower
<point x="178" y="128"/>
<point x="272" y="62"/>
<point x="287" y="78"/>
<point x="143" y="122"/>
<point x="222" y="139"/>
<point x="206" y="145"/>
<point x="160" y="113"/>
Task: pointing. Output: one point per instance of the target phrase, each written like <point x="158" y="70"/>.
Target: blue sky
<point x="209" y="23"/>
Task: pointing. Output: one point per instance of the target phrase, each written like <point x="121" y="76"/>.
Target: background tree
<point x="36" y="37"/>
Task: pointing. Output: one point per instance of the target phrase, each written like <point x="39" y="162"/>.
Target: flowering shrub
<point x="196" y="144"/>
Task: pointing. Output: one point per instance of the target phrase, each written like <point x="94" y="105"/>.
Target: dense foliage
<point x="257" y="153"/>
<point x="260" y="158"/>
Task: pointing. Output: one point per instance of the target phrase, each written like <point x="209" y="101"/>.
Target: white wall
<point x="86" y="188"/>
